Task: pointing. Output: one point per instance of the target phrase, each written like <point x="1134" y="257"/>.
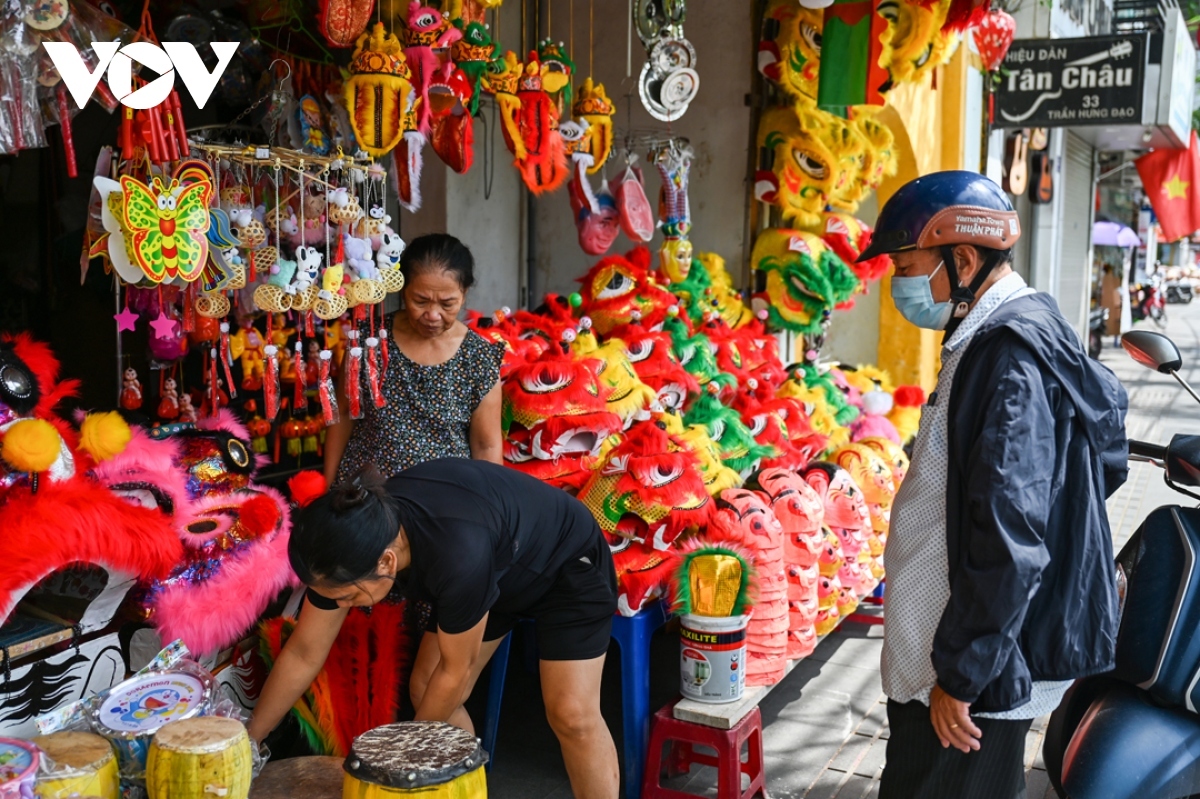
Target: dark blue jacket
<point x="1037" y="443"/>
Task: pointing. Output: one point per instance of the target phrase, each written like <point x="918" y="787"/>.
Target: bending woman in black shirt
<point x="486" y="546"/>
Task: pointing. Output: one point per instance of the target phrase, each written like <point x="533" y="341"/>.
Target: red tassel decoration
<point x="354" y="376"/>
<point x="68" y="137"/>
<point x="271" y="383"/>
<point x="383" y="339"/>
<point x="373" y="377"/>
<point x="300" y="399"/>
<point x="329" y="407"/>
<point x="214" y="396"/>
<point x="226" y="360"/>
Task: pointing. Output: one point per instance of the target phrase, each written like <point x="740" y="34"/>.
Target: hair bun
<point x="367" y="483"/>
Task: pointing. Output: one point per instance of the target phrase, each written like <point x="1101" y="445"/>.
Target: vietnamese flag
<point x="1171" y="180"/>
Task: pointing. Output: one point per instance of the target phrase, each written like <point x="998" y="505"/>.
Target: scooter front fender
<point x="1128" y="748"/>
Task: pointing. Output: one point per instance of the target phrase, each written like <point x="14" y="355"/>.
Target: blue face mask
<point x="914" y="299"/>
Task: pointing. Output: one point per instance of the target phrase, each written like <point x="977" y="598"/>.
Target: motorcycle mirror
<point x="1153" y="350"/>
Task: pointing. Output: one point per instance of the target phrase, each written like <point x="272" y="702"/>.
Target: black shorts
<point x="573" y="620"/>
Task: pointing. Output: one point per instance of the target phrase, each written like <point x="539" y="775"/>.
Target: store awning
<point x="1114" y="234"/>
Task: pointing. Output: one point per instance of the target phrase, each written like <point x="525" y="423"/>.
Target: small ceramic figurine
<point x="187" y="413"/>
<point x="168" y="406"/>
<point x="131" y="391"/>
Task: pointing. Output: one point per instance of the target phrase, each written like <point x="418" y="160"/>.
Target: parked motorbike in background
<point x="1179" y="291"/>
<point x="1134" y="733"/>
<point x="1097" y="325"/>
<point x="1147" y="301"/>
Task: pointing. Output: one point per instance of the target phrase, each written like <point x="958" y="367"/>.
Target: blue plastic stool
<point x="632" y="634"/>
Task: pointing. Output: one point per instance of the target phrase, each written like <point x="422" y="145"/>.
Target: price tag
<point x="262" y="153"/>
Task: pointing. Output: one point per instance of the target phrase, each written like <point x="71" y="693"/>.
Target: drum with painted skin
<point x="200" y="758"/>
<point x="309" y="777"/>
<point x="77" y="764"/>
<point x="133" y="711"/>
<point x="18" y="768"/>
<point x="429" y="759"/>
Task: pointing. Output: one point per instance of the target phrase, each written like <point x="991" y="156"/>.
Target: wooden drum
<point x="200" y="758"/>
<point x="429" y="759"/>
<point x="307" y="777"/>
<point x="84" y="764"/>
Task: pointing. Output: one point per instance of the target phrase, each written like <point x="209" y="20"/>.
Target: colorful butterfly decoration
<point x="157" y="232"/>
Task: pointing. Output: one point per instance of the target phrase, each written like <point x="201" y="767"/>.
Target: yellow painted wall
<point x="930" y="129"/>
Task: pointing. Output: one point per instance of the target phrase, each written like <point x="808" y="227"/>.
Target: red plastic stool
<point x="684" y="736"/>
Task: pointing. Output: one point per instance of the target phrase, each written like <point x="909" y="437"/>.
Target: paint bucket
<point x="712" y="657"/>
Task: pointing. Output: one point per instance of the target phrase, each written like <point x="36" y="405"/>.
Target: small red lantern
<point x="993" y="36"/>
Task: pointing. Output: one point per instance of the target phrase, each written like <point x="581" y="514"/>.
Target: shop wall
<point x="717" y="124"/>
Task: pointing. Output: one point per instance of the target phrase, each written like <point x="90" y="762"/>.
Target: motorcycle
<point x="1179" y="292"/>
<point x="1149" y="303"/>
<point x="1134" y="732"/>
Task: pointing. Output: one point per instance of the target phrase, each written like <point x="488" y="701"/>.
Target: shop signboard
<point x="1056" y="83"/>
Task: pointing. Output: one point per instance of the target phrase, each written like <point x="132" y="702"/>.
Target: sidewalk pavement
<point x="825" y="726"/>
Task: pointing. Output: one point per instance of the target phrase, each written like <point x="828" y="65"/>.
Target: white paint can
<point x="712" y="657"/>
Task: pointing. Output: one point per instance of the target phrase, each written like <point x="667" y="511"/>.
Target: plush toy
<point x="308" y="262"/>
<point x="805" y="280"/>
<point x="593" y="107"/>
<point x="373" y="225"/>
<point x="876" y="389"/>
<point x="359" y="257"/>
<point x="789" y="51"/>
<point x="378" y="91"/>
<point x="797" y="170"/>
<point x="647" y="487"/>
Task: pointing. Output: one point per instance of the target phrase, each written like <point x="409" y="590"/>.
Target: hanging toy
<point x="596" y="218"/>
<point x="633" y="209"/>
<point x="993" y="36"/>
<point x="674" y="162"/>
<point x="156" y="232"/>
<point x="300" y="387"/>
<point x="374" y="376"/>
<point x="187" y="412"/>
<point x="789" y="52"/>
<point x="343" y="207"/>
<point x="271" y="382"/>
<point x="544" y="167"/>
<point x="378" y="91"/>
<point x="426" y="29"/>
<point x="557" y="71"/>
<point x="453" y="131"/>
<point x="247" y="346"/>
<point x="307" y="283"/>
<point x="325" y="390"/>
<point x="387" y="260"/>
<point x="353" y="366"/>
<point x="331" y="299"/>
<point x="374" y="225"/>
<point x="593" y="107"/>
<point x="225" y="356"/>
<point x="313" y="138"/>
<point x="472" y="54"/>
<point x="502" y="81"/>
<point x="341" y="22"/>
<point x="131" y="391"/>
<point x="168" y="404"/>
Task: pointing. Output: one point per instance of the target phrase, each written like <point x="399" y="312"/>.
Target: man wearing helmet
<point x="1000" y="586"/>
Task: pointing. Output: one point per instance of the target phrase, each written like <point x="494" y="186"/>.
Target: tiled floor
<point x="825" y="727"/>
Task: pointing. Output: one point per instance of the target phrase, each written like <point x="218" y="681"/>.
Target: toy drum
<point x="79" y="764"/>
<point x="431" y="759"/>
<point x="199" y="759"/>
<point x="18" y="768"/>
<point x="142" y="705"/>
<point x="309" y="777"/>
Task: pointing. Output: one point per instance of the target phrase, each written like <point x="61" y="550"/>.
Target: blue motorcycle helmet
<point x="944" y="210"/>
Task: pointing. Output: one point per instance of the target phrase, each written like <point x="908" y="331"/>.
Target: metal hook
<point x="288" y="76"/>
